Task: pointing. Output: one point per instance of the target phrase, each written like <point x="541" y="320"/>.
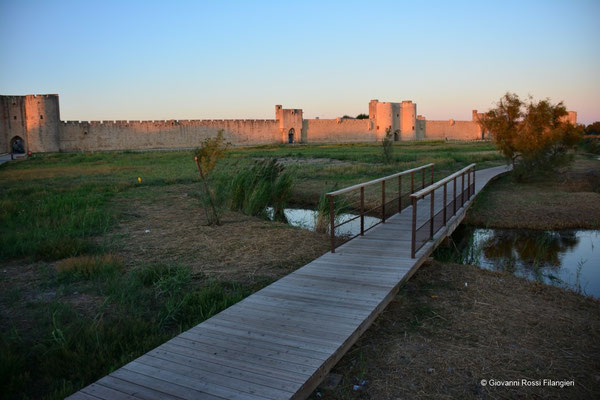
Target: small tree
<point x="362" y="116"/>
<point x="388" y="146"/>
<point x="533" y="136"/>
<point x="206" y="157"/>
<point x="593" y="129"/>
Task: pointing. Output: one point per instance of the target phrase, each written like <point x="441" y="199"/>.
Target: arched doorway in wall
<point x="291" y="135"/>
<point x="397" y="135"/>
<point x="17" y="145"/>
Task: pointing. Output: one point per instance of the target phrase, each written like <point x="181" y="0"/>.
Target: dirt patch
<point x="454" y="325"/>
<point x="568" y="200"/>
<point x="169" y="226"/>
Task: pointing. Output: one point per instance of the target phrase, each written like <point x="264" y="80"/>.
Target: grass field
<point x="98" y="268"/>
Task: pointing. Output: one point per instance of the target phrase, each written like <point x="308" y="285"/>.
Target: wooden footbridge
<point x="280" y="342"/>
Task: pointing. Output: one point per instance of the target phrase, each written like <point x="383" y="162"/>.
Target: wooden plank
<point x="275" y="338"/>
<point x="184" y="386"/>
<point x="352" y="293"/>
<point x="289" y="354"/>
<point x="81" y="396"/>
<point x="282" y="316"/>
<point x="334" y="334"/>
<point x="285" y="314"/>
<point x="103" y="392"/>
<point x="261" y="362"/>
<point x="280" y="336"/>
<point x="347" y="277"/>
<point x="228" y="376"/>
<point x="134" y="389"/>
<point x="344" y="281"/>
<point x="300" y="305"/>
<point x="318" y="296"/>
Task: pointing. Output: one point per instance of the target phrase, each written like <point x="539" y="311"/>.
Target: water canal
<point x="565" y="258"/>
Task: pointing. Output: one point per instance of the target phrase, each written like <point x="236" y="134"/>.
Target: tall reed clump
<point x="265" y="184"/>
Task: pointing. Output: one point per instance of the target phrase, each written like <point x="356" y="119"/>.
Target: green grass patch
<point x="132" y="313"/>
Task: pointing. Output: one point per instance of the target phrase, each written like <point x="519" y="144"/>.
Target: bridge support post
<point x="383" y="201"/>
<point x="444" y="204"/>
<point x="431" y="214"/>
<point x="423" y="179"/>
<point x="399" y="194"/>
<point x="469" y="185"/>
<point x="332" y="223"/>
<point x="414" y="228"/>
<point x="462" y="191"/>
<point x="362" y="210"/>
<point x="455" y="197"/>
<point x="412" y="182"/>
<point x="431" y="175"/>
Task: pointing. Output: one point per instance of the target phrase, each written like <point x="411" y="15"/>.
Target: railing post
<point x="332" y="223"/>
<point x="455" y="197"/>
<point x="469" y="184"/>
<point x="473" y="180"/>
<point x="383" y="201"/>
<point x="444" y="205"/>
<point x="431" y="214"/>
<point x="423" y="178"/>
<point x="431" y="175"/>
<point x="399" y="194"/>
<point x="462" y="192"/>
<point x="362" y="210"/>
<point x="414" y="228"/>
<point x="412" y="182"/>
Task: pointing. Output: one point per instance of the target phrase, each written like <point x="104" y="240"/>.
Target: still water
<point x="307" y="219"/>
<point x="565" y="258"/>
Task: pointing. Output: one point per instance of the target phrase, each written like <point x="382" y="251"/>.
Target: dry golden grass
<point x="169" y="226"/>
<point x="89" y="264"/>
<point x="453" y="325"/>
<point x="568" y="200"/>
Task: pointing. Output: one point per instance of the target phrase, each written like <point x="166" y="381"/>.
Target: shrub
<point x="533" y="136"/>
<point x="388" y="146"/>
<point x="206" y="157"/>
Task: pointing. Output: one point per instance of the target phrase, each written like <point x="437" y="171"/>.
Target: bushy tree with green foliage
<point x="533" y="136"/>
<point x="206" y="157"/>
<point x="593" y="128"/>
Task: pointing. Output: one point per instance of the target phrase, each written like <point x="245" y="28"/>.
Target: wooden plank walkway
<point x="280" y="342"/>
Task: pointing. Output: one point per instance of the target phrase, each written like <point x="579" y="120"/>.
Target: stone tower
<point x="290" y="123"/>
<point x="33" y="118"/>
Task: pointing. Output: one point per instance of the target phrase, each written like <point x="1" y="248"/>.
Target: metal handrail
<point x="430" y="190"/>
<point x="385" y="178"/>
<point x="383" y="204"/>
<point x="425" y="191"/>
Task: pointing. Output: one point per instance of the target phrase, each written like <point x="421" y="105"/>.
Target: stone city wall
<point x="175" y="134"/>
<point x="455" y="130"/>
<point x="338" y="130"/>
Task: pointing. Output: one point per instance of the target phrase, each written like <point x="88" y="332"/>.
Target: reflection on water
<point x="307" y="219"/>
<point x="567" y="258"/>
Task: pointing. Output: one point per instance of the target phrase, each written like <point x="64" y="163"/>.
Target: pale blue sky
<point x="194" y="59"/>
